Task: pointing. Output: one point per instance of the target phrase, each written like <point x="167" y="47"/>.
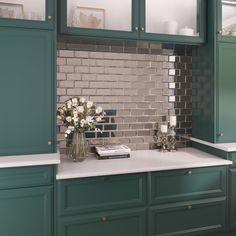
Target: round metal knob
<point x="49" y="17"/>
<point x="220" y="134"/>
<point x="219" y="32"/>
<point x="189" y="207"/>
<point x="104" y="219"/>
<point x="142" y="28"/>
<point x="49" y="142"/>
<point x="189" y="172"/>
<point x="136" y="28"/>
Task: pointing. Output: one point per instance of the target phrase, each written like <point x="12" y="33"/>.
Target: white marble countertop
<point x="228" y="147"/>
<point x="29" y="160"/>
<point x="140" y="161"/>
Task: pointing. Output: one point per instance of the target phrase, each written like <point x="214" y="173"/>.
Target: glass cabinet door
<point x="27" y="13"/>
<point x="228" y="17"/>
<point x="99" y="17"/>
<point x="100" y="14"/>
<point x="175" y="17"/>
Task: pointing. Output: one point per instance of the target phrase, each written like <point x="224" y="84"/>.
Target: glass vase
<point x="78" y="149"/>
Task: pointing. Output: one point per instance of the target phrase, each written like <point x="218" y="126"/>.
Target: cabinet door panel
<point x="101" y="193"/>
<point x="26" y="212"/>
<point x="187" y="218"/>
<point x="119" y="223"/>
<point x="232" y="197"/>
<point x="180" y="185"/>
<point x="226" y="129"/>
<point x="26" y="91"/>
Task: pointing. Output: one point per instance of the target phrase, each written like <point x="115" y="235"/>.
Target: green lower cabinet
<point x="232" y="198"/>
<point x="26" y="212"/>
<point x="187" y="218"/>
<point x="118" y="223"/>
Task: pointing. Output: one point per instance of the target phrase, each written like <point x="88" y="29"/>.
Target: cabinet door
<point x="173" y="21"/>
<point x="119" y="223"/>
<point x="28" y="14"/>
<point x="99" y="18"/>
<point x="232" y="198"/>
<point x="226" y="87"/>
<point x="26" y="212"/>
<point x="26" y="91"/>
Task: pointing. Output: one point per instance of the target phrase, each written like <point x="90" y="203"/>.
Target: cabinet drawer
<point x="119" y="223"/>
<point x="187" y="218"/>
<point x="25" y="176"/>
<point x="101" y="193"/>
<point x="181" y="185"/>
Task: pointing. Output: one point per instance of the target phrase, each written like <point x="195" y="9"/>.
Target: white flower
<point x="64" y="108"/>
<point x="82" y="100"/>
<point x="75" y="119"/>
<point x="89" y="104"/>
<point x="61" y="111"/>
<point x="89" y="120"/>
<point x="68" y="119"/>
<point x="82" y="123"/>
<point x="80" y="109"/>
<point x="59" y="117"/>
<point x="69" y="104"/>
<point x="72" y="128"/>
<point x="74" y="102"/>
<point x="98" y="110"/>
<point x="75" y="113"/>
<point x="97" y="130"/>
<point x="68" y="131"/>
<point x="98" y="119"/>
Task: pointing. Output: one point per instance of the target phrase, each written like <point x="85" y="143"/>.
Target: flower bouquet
<point x="79" y="115"/>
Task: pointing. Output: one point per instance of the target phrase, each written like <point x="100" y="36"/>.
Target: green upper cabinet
<point x="27" y="91"/>
<point x="214" y="76"/>
<point x="28" y="14"/>
<point x="179" y="21"/>
<point x="226" y="20"/>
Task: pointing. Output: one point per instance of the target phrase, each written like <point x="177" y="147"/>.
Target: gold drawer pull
<point x="104" y="219"/>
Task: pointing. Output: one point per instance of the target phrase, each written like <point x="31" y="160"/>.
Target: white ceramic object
<point x="186" y="31"/>
<point x="170" y="27"/>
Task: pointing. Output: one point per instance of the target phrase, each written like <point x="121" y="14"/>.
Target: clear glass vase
<point x="78" y="149"/>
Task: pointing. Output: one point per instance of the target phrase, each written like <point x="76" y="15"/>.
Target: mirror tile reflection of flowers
<point x="79" y="115"/>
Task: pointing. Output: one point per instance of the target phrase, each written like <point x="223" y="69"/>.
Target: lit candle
<point x="164" y="128"/>
<point x="172" y="120"/>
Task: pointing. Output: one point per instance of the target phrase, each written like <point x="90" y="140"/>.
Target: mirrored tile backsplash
<point x="138" y="86"/>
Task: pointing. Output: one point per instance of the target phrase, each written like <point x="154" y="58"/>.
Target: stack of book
<point x="112" y="151"/>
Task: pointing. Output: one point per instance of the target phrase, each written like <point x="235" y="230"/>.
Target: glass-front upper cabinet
<point x="27" y="13"/>
<point x="174" y="20"/>
<point x="101" y="17"/>
<point x="227" y="17"/>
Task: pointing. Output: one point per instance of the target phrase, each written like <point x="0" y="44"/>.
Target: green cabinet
<point x="26" y="201"/>
<point x="28" y="14"/>
<point x="214" y="82"/>
<point x="131" y="19"/>
<point x="126" y="223"/>
<point x="27" y="91"/>
<point x="188" y="218"/>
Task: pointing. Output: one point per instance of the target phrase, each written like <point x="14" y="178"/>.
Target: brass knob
<point x="189" y="207"/>
<point x="189" y="172"/>
<point x="104" y="219"/>
<point x="49" y="17"/>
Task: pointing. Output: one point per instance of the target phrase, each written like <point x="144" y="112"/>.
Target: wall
<point x="132" y="82"/>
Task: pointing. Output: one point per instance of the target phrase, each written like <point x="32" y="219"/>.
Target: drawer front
<point x="119" y="223"/>
<point x="101" y="193"/>
<point x="25" y="176"/>
<point x="181" y="185"/>
<point x="232" y="157"/>
<point x="187" y="218"/>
